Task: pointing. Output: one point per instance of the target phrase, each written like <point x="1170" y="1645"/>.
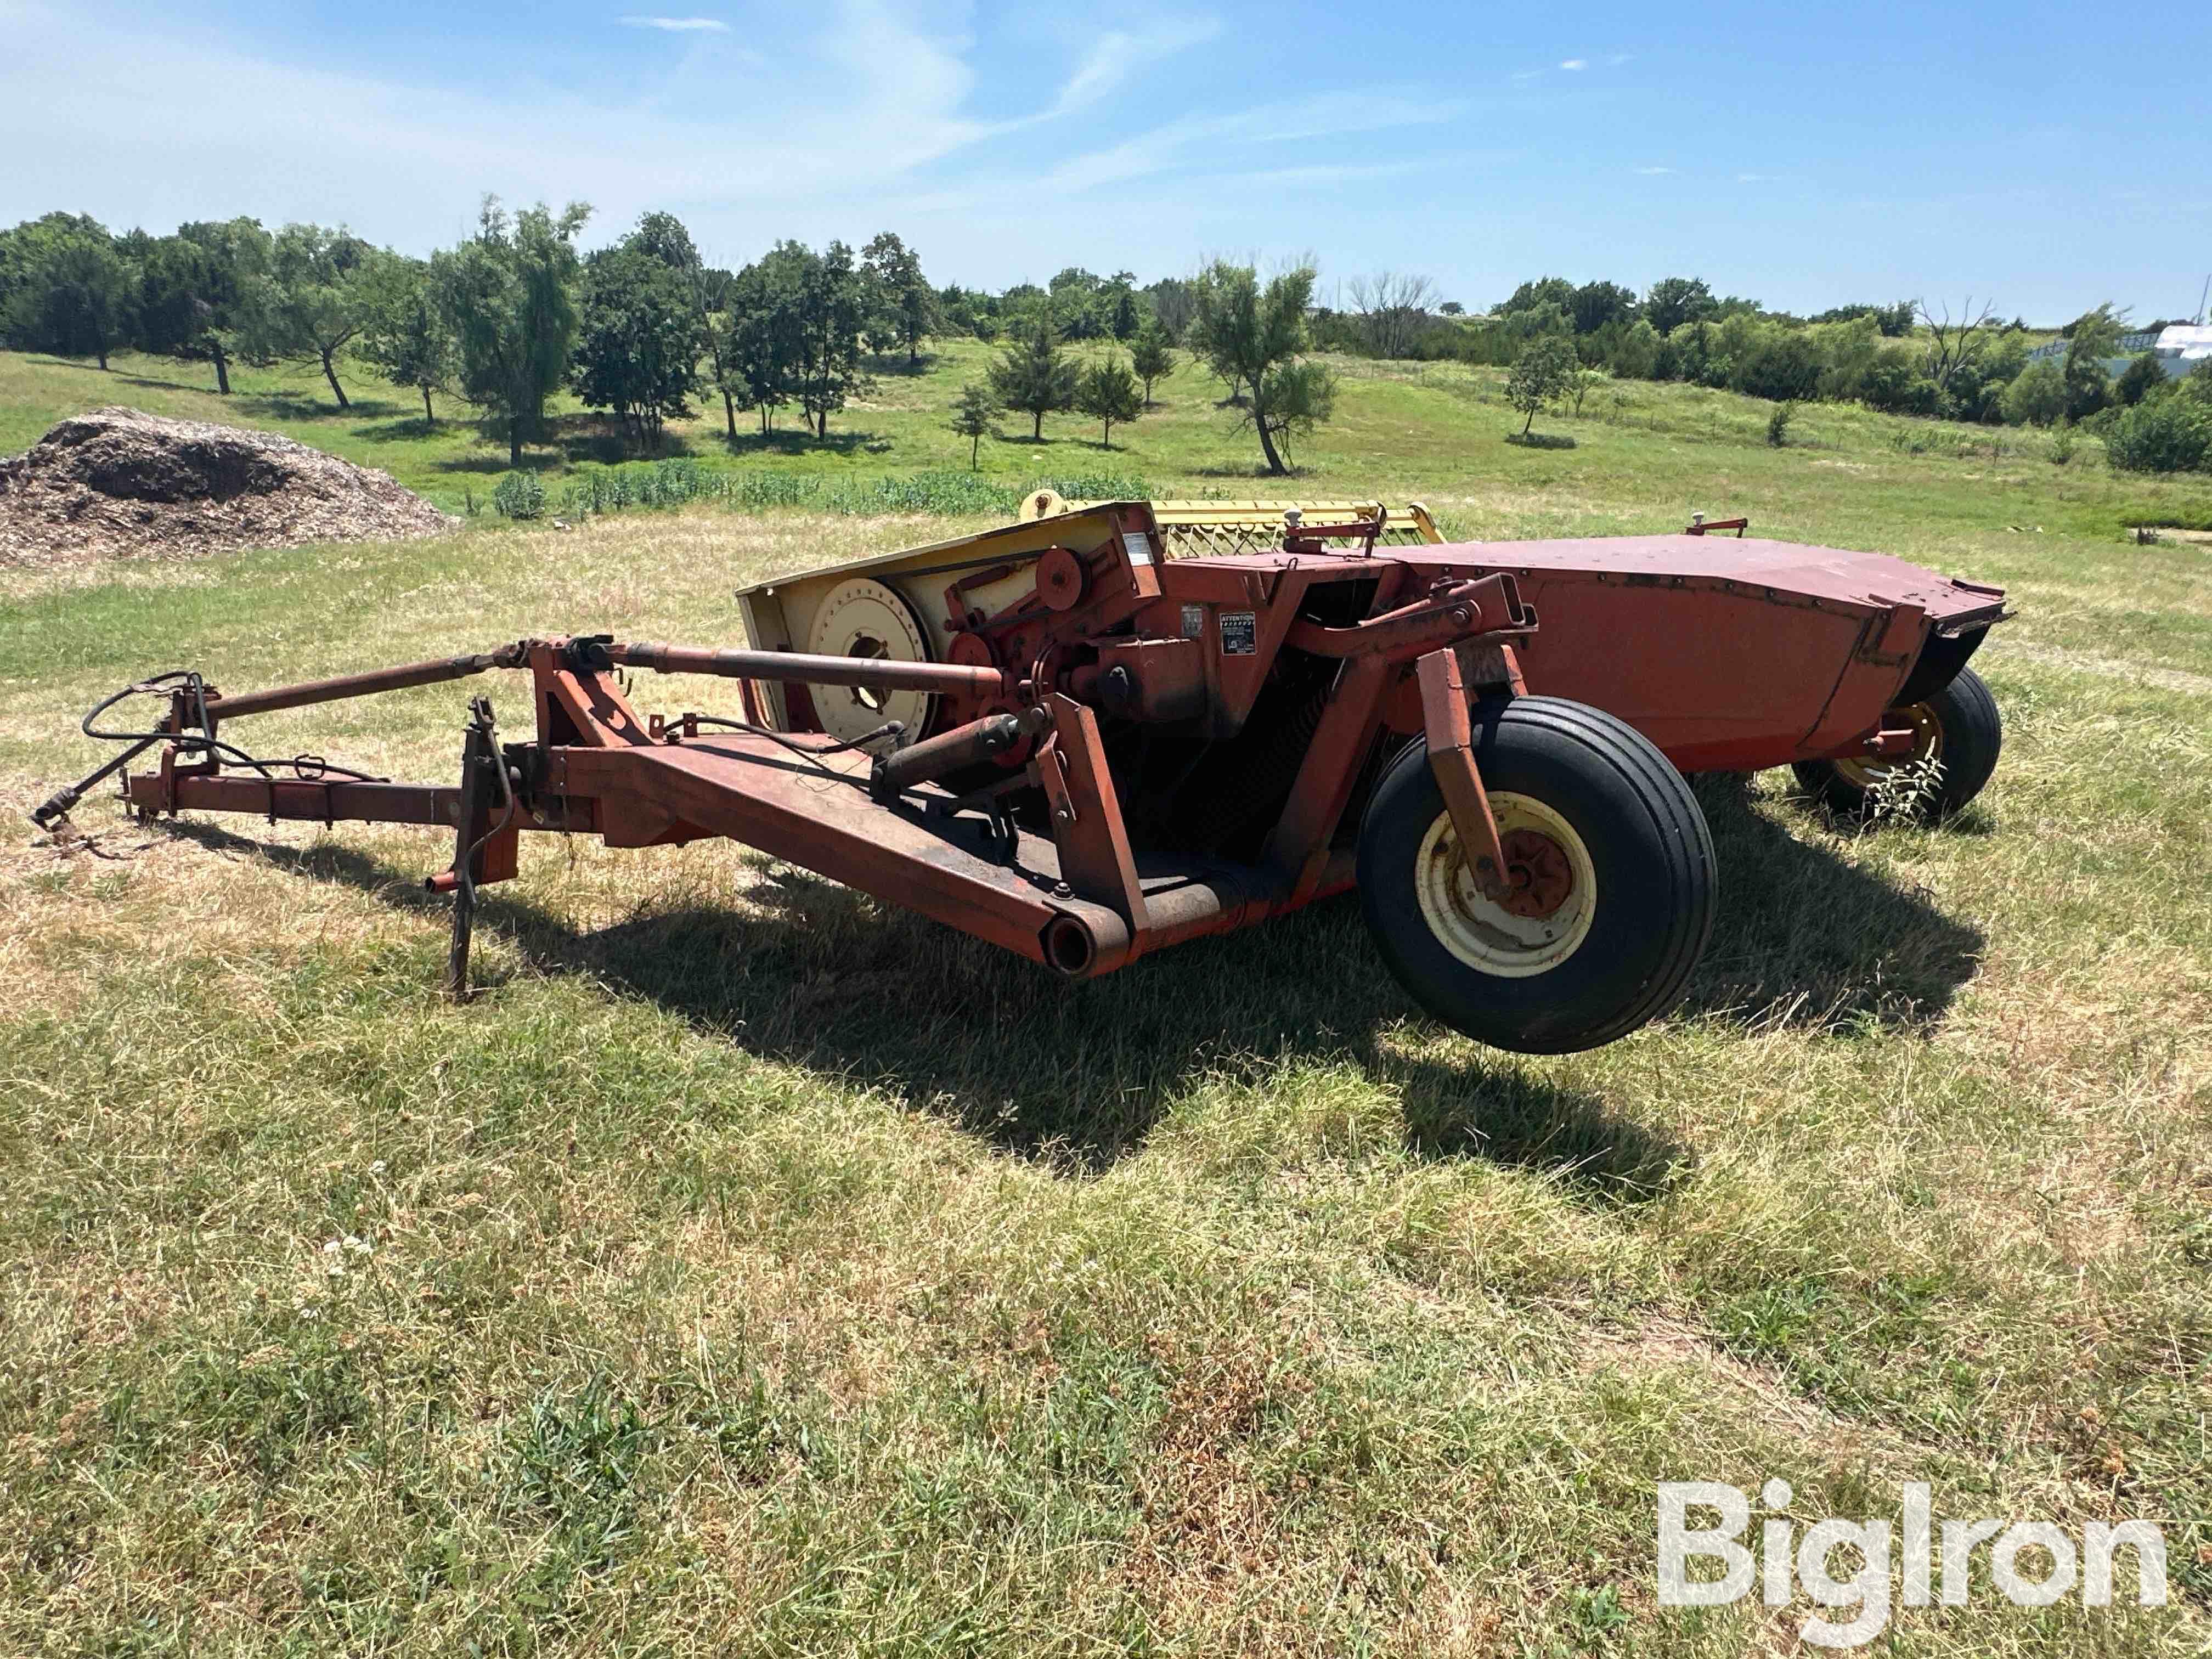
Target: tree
<point x="759" y="337"/>
<point x="1544" y="291"/>
<point x="1080" y="308"/>
<point x="2090" y="339"/>
<point x="1953" y="344"/>
<point x="2145" y="375"/>
<point x="1783" y="364"/>
<point x="1109" y="392"/>
<point x="828" y="315"/>
<point x="403" y="332"/>
<point x="1035" y="376"/>
<point x="193" y="287"/>
<point x="311" y="303"/>
<point x="1892" y="322"/>
<point x="1150" y="357"/>
<point x="902" y="306"/>
<point x="1674" y="300"/>
<point x="1544" y="372"/>
<point x="972" y="417"/>
<point x="662" y="237"/>
<point x="1392" y="306"/>
<point x="1594" y="305"/>
<point x="506" y="293"/>
<point x="69" y="290"/>
<point x="1634" y="351"/>
<point x="1124" y="315"/>
<point x="2037" y="396"/>
<point x="1174" y="304"/>
<point x="637" y="339"/>
<point x="1257" y="338"/>
<point x="2165" y="435"/>
<point x="1892" y="383"/>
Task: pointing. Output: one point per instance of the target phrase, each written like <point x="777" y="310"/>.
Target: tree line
<point x="503" y="320"/>
<point x="641" y="329"/>
<point x="1908" y="357"/>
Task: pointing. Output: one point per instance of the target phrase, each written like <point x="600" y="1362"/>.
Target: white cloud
<point x="1116" y="55"/>
<point x="1575" y="63"/>
<point x="402" y="158"/>
<point x="680" y="25"/>
<point x="1171" y="146"/>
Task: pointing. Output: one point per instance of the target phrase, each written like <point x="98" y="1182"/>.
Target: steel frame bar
<point x="1449" y="733"/>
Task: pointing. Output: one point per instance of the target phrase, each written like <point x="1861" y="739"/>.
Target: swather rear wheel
<point x="1957" y="735"/>
<point x="1610" y="872"/>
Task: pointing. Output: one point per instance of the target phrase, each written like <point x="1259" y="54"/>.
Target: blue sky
<point x="2050" y="157"/>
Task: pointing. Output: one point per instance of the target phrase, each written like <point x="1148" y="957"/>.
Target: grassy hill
<point x="757" y="1268"/>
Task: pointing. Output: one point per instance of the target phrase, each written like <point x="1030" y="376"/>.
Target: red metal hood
<point x="1780" y="567"/>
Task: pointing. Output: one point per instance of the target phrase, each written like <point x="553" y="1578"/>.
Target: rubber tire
<point x="1973" y="735"/>
<point x="1649" y="848"/>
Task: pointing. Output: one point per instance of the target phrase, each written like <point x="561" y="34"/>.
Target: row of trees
<point x="1910" y="357"/>
<point x="642" y="329"/>
<point x="1965" y="366"/>
<point x="503" y="320"/>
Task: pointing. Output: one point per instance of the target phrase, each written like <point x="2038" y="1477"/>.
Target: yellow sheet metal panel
<point x="782" y="610"/>
<point x="1189" y="528"/>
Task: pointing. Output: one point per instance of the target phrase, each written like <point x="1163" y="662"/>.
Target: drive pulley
<point x="865" y="618"/>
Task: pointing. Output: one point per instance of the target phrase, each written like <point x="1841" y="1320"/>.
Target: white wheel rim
<point x="863" y="617"/>
<point x="1479" y="932"/>
<point x="1868" y="773"/>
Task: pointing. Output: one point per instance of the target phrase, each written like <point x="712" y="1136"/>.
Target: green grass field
<point x="754" y="1268"/>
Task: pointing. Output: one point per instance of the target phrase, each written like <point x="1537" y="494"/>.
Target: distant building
<point x="2180" y="347"/>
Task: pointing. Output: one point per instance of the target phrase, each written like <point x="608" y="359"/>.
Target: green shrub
<point x="519" y="495"/>
<point x="2145" y="375"/>
<point x="2165" y="435"/>
<point x="1781" y="366"/>
<point x="1893" y="383"/>
<point x="2037" y="397"/>
<point x="2063" y="445"/>
<point x="1777" y="424"/>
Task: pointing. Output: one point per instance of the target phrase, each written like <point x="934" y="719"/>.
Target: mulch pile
<point x="118" y="483"/>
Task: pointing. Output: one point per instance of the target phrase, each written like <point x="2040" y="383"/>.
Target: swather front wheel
<point x="1610" y="882"/>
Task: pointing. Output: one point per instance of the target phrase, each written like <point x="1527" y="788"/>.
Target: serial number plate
<point x="1140" y="546"/>
<point x="1193" y="622"/>
<point x="1239" y="634"/>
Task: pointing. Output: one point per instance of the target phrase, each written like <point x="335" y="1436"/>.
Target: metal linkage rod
<point x="873" y="671"/>
<point x="362" y="685"/>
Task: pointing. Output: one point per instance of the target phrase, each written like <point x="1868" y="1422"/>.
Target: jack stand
<point x="481" y="764"/>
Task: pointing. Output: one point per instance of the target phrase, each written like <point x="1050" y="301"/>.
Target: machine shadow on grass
<point x="808" y="972"/>
<point x="1807" y="940"/>
<point x="1075" y="1075"/>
